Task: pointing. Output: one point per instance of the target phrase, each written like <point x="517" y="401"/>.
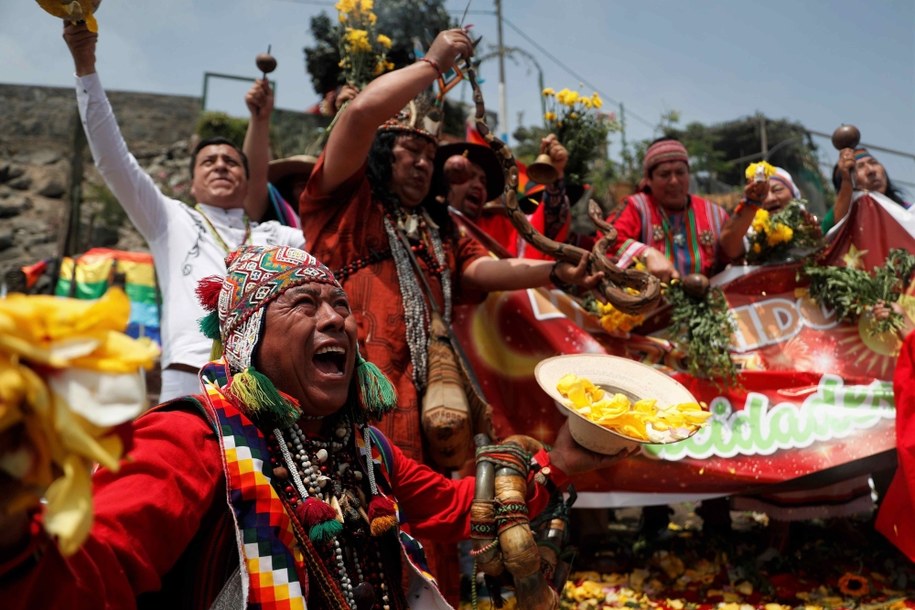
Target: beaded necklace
<point x="323" y="470"/>
<point x="212" y="229"/>
<point x="416" y="309"/>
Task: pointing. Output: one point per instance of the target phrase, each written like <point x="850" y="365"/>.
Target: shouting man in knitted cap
<point x="269" y="489"/>
<point x="674" y="232"/>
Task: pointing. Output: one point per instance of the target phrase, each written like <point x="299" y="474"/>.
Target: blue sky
<point x="819" y="62"/>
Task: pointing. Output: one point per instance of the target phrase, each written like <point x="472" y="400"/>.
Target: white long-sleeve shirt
<point x="184" y="249"/>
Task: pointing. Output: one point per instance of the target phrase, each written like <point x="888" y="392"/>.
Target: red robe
<point x="895" y="517"/>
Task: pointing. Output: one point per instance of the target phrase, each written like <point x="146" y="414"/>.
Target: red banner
<point x="814" y="402"/>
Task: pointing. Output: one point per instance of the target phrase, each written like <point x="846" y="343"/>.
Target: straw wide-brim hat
<point x="288" y="166"/>
<point x="477" y="154"/>
<point x="614" y="374"/>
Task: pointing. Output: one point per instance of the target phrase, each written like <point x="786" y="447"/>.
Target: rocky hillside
<point x="46" y="170"/>
<point x="43" y="153"/>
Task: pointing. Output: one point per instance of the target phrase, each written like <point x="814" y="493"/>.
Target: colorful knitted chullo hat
<point x="258" y="275"/>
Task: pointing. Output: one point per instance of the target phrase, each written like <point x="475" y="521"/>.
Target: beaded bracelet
<point x="557" y="282"/>
<point x="432" y="63"/>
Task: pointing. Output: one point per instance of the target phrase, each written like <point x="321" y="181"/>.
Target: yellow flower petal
<point x="80" y="437"/>
<point x="68" y="514"/>
<point x="103" y="399"/>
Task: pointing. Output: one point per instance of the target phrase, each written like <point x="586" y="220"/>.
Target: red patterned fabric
<point x="643" y="223"/>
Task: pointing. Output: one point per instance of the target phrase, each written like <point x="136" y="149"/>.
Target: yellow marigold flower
<point x="373" y="18"/>
<point x="366" y="5"/>
<point x="596" y="101"/>
<point x="384" y="41"/>
<point x="381" y="67"/>
<point x="571" y="98"/>
<point x="345" y="6"/>
<point x="762" y="168"/>
<point x="357" y="40"/>
<point x="760" y="222"/>
<point x="779" y="234"/>
<point x="566" y="97"/>
<point x="573" y="115"/>
<point x="550" y="116"/>
<point x="586" y="102"/>
<point x="549" y="92"/>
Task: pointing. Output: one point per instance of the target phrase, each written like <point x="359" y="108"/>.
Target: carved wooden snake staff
<point x="628" y="290"/>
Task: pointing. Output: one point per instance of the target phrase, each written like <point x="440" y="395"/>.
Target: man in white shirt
<point x="187" y="243"/>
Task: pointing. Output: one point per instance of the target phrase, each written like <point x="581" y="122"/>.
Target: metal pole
<point x="503" y="105"/>
<point x="623" y="150"/>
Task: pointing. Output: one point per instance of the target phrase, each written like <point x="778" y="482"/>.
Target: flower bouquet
<point x="784" y="235"/>
<point x="70" y="383"/>
<point x="789" y="234"/>
<point x="580" y="127"/>
<point x="363" y="51"/>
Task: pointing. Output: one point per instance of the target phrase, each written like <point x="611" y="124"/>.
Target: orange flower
<point x="854" y="585"/>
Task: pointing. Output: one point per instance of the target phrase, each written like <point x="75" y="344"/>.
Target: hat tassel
<point x="376" y="392"/>
<point x="261" y="398"/>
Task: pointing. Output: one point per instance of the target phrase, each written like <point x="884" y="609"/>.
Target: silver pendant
<point x="679" y="239"/>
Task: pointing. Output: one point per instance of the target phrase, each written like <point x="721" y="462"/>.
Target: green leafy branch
<point x="852" y="292"/>
<point x="707" y="324"/>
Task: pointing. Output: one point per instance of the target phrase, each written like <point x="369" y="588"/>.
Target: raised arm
<point x="81" y="43"/>
<point x="259" y="100"/>
<point x="135" y="190"/>
<point x="352" y="135"/>
<point x="735" y="228"/>
<point x="846" y="165"/>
